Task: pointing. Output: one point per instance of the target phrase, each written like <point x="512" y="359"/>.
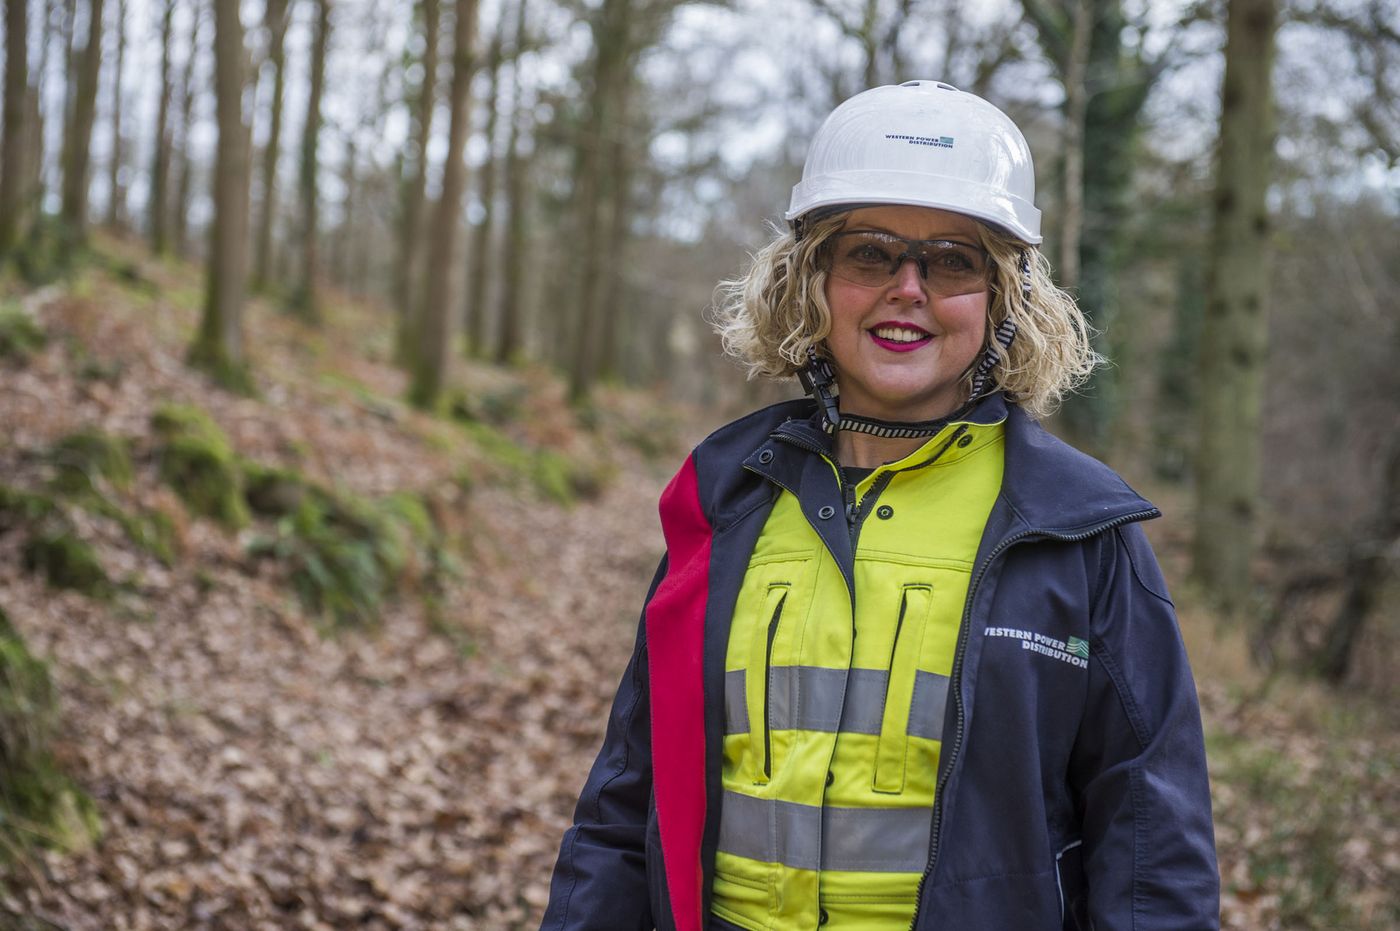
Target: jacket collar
<point x="1048" y="486"/>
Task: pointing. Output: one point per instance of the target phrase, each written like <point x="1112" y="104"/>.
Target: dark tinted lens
<point x="871" y="258"/>
<point x="955" y="263"/>
<point x="865" y="258"/>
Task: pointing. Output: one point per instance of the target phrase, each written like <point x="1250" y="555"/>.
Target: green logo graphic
<point x="1077" y="647"/>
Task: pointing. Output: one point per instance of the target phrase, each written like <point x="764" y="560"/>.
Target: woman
<point x="909" y="661"/>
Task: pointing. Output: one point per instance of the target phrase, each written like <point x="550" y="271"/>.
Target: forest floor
<point x="256" y="768"/>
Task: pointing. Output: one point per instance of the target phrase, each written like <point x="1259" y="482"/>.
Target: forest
<point x="346" y="346"/>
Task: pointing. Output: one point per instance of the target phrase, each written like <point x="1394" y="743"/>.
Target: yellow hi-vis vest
<point x="833" y="728"/>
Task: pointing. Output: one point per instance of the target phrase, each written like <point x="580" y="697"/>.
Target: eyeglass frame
<point x="915" y="249"/>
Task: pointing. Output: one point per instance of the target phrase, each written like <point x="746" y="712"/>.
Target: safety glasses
<point x="872" y="258"/>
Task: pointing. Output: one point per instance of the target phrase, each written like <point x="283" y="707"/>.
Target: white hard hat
<point x="923" y="143"/>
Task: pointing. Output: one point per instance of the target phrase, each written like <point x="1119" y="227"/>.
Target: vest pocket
<point x="758" y="683"/>
<point x="915" y="603"/>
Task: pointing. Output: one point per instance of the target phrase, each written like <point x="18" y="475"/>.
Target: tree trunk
<point x="1076" y="103"/>
<point x="1235" y="327"/>
<point x="611" y="62"/>
<point x="185" y="168"/>
<point x="341" y="260"/>
<point x="416" y="163"/>
<point x="613" y="287"/>
<point x="160" y="162"/>
<point x="13" y="167"/>
<point x="512" y="305"/>
<point x="78" y="138"/>
<point x="67" y="35"/>
<point x="474" y="309"/>
<point x="304" y="302"/>
<point x="275" y="22"/>
<point x="358" y="237"/>
<point x="218" y="347"/>
<point x="36" y="124"/>
<point x="435" y="331"/>
<point x="116" y="202"/>
<point x="1369" y="568"/>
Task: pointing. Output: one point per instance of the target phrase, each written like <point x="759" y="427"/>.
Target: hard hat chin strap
<point x="817" y="377"/>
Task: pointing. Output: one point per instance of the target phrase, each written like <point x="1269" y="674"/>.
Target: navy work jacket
<point x="1070" y="795"/>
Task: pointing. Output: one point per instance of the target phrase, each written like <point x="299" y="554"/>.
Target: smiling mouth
<point x="900" y="336"/>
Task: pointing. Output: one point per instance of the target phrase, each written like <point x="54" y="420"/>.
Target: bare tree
<point x="304" y="299"/>
<point x="218" y="347"/>
<point x="430" y="366"/>
<point x="511" y="304"/>
<point x="275" y="23"/>
<point x="116" y="200"/>
<point x="1072" y="178"/>
<point x="354" y="236"/>
<point x="77" y="139"/>
<point x="13" y="171"/>
<point x="415" y="164"/>
<point x="184" y="160"/>
<point x="160" y="159"/>
<point x="474" y="310"/>
<point x="1235" y="328"/>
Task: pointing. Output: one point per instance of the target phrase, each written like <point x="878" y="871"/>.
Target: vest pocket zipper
<point x="757" y="685"/>
<point x="915" y="602"/>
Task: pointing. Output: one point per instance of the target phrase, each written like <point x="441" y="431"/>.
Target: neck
<point x="862" y="451"/>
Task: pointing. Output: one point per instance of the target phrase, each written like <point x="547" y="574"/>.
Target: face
<point x="899" y="349"/>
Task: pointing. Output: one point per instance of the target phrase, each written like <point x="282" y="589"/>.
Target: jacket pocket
<point x="915" y="603"/>
<point x="1069" y="878"/>
<point x="758" y="683"/>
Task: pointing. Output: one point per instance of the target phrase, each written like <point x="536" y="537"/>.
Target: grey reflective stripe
<point x="872" y="840"/>
<point x="815" y="692"/>
<point x="926" y="710"/>
<point x="736" y="707"/>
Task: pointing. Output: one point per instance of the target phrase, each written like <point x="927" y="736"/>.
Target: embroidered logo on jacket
<point x="1074" y="651"/>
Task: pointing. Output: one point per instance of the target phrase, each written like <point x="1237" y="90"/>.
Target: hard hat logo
<point x="867" y="152"/>
<point x="942" y="142"/>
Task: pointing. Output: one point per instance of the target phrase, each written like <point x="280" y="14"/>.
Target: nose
<point x="908" y="282"/>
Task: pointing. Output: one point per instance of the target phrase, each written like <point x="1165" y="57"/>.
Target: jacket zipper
<point x="955" y="680"/>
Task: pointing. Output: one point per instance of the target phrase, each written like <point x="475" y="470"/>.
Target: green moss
<point x="65" y="560"/>
<point x="499" y="448"/>
<point x="553" y="476"/>
<point x="550" y="476"/>
<point x="22" y="508"/>
<point x="196" y="461"/>
<point x="50" y="251"/>
<point x="210" y="358"/>
<point x="82" y="457"/>
<point x="272" y="491"/>
<point x="20" y="336"/>
<point x="493" y="407"/>
<point x="172" y="420"/>
<point x="152" y="531"/>
<point x="39" y="804"/>
<point x="409" y="510"/>
<point x="206" y="478"/>
<point x="346" y="556"/>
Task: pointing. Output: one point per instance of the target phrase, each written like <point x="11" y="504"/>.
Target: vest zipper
<point x="768" y="689"/>
<point x="955" y="679"/>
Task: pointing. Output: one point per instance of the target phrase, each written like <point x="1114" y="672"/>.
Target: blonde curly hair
<point x="771" y="315"/>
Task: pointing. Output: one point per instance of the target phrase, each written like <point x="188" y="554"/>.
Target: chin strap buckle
<point x="817" y="377"/>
